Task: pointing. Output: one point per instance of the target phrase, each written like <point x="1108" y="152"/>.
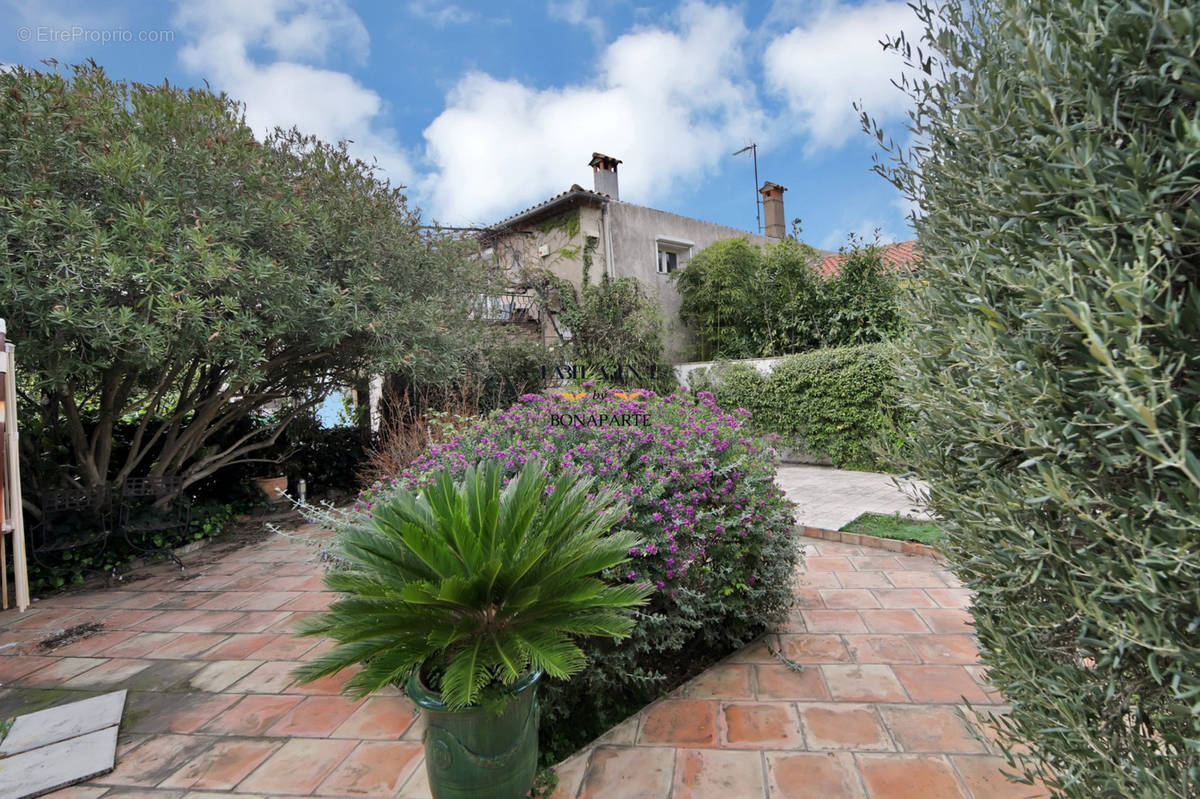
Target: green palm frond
<point x="482" y="581"/>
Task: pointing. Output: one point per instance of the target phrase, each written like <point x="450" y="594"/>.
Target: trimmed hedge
<point x="841" y="403"/>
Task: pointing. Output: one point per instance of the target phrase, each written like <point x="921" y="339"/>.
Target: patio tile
<point x="155" y="760"/>
<point x="892" y="621"/>
<point x="61" y="670"/>
<point x="863" y="683"/>
<point x="255" y="621"/>
<point x="271" y="677"/>
<point x="819" y="564"/>
<point x="374" y="769"/>
<point x="93" y="644"/>
<point x="298" y="767"/>
<point x="284" y="647"/>
<point x="870" y="579"/>
<point x="939" y="684"/>
<point x="189" y="645"/>
<point x="946" y="648"/>
<point x="754" y="652"/>
<point x="924" y="728"/>
<point x="253" y="715"/>
<point x="681" y="722"/>
<point x="760" y="725"/>
<point x="948" y="621"/>
<point x="849" y="598"/>
<point x="183" y="713"/>
<point x="63" y="721"/>
<point x="818" y="579"/>
<point x="781" y="682"/>
<point x="723" y="681"/>
<point x="310" y="600"/>
<point x="874" y="562"/>
<point x="808" y="598"/>
<point x="903" y="598"/>
<point x="985" y="778"/>
<point x="13" y="668"/>
<point x="833" y="621"/>
<point x="384" y="717"/>
<point x="141" y="645"/>
<point x="228" y="600"/>
<point x="625" y="772"/>
<point x="220" y="674"/>
<point x="209" y="621"/>
<point x="168" y="621"/>
<point x="269" y="600"/>
<point x="909" y="777"/>
<point x="842" y="726"/>
<point x="809" y="775"/>
<point x="959" y="598"/>
<point x="813" y="648"/>
<point x="705" y="773"/>
<point x="239" y="646"/>
<point x="331" y="685"/>
<point x="111" y="672"/>
<point x="223" y="765"/>
<point x="315" y="717"/>
<point x="882" y="648"/>
<point x="914" y="579"/>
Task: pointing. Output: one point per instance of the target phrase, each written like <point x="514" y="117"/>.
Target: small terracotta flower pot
<point x="272" y="487"/>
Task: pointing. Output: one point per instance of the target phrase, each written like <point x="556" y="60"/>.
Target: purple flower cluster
<point x="700" y="487"/>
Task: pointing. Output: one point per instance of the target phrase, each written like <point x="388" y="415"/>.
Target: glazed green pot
<point x="473" y="753"/>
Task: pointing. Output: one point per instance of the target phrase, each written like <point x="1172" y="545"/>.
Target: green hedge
<point x="841" y="403"/>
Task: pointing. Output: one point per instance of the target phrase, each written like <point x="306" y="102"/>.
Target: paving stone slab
<point x="56" y="724"/>
<point x="58" y="765"/>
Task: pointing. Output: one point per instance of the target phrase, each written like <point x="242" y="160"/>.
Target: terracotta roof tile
<point x="902" y="253"/>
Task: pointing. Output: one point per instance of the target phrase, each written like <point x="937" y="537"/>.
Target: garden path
<point x="860" y="694"/>
<point x="830" y="498"/>
<point x="881" y="640"/>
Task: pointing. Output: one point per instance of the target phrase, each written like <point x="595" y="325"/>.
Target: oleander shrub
<point x="718" y="543"/>
<point x="1054" y="374"/>
<point x="841" y="403"/>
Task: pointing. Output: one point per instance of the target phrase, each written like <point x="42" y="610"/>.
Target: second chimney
<point x="772" y="200"/>
<point x="604" y="169"/>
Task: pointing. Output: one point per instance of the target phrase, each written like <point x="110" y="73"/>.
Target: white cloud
<point x="670" y="103"/>
<point x="226" y="40"/>
<point x="823" y="66"/>
<point x="576" y="12"/>
<point x="440" y="14"/>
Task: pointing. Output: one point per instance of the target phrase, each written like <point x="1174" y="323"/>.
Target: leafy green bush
<point x="1054" y="374"/>
<point x="717" y="533"/>
<point x="744" y="301"/>
<point x="841" y="403"/>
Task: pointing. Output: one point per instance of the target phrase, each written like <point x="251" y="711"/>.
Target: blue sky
<point x="482" y="109"/>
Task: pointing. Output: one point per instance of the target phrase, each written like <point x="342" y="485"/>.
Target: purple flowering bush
<point x="718" y="542"/>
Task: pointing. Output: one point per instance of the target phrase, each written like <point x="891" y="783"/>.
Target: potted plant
<point x="273" y="488"/>
<point x="467" y="592"/>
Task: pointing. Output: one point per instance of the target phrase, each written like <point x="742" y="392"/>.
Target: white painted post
<point x="10" y="470"/>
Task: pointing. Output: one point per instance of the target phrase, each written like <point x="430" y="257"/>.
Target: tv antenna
<point x="753" y="148"/>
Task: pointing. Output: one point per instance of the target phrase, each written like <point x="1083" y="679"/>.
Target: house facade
<point x="593" y="231"/>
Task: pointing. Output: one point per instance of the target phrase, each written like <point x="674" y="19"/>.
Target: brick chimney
<point x="604" y="169"/>
<point x="772" y="200"/>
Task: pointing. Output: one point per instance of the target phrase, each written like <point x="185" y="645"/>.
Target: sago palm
<point x="478" y="583"/>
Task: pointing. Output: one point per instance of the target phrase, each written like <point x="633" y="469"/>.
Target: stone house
<point x="594" y="226"/>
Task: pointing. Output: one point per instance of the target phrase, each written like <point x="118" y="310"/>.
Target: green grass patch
<point x="892" y="526"/>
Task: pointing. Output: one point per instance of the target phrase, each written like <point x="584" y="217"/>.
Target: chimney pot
<point x="772" y="199"/>
<point x="604" y="170"/>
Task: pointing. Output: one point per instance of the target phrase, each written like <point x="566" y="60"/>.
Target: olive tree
<point x="160" y="264"/>
<point x="1054" y="367"/>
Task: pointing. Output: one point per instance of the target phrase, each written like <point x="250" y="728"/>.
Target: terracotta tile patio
<point x="863" y="700"/>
